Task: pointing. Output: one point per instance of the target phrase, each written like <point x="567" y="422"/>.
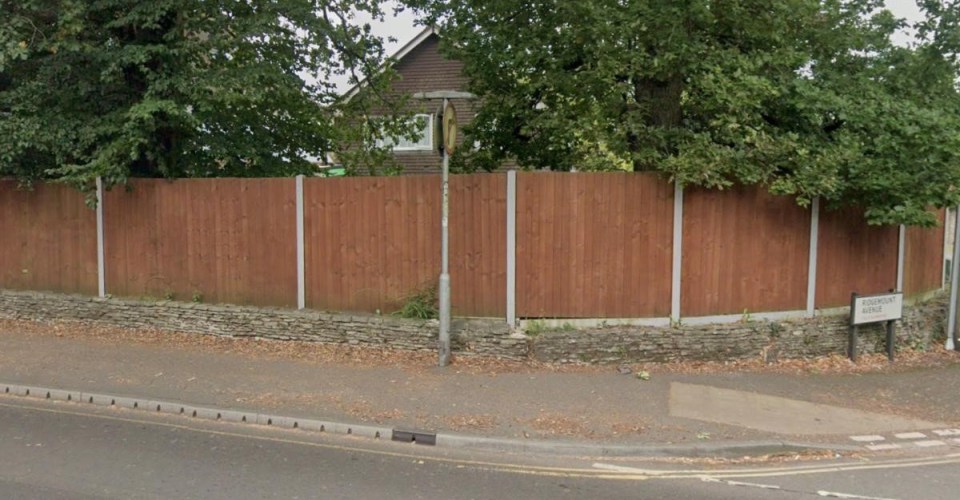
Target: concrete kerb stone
<point x="193" y="411"/>
<point x="368" y="431"/>
<point x="238" y="417"/>
<point x="40" y="392"/>
<point x="17" y="390"/>
<point x="694" y="450"/>
<point x="97" y="399"/>
<point x="61" y="395"/>
<point x="128" y="403"/>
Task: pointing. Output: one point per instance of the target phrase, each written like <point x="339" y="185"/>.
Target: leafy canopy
<point x="179" y="88"/>
<point x="810" y="98"/>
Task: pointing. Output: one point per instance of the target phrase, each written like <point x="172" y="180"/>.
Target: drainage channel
<point x="233" y="416"/>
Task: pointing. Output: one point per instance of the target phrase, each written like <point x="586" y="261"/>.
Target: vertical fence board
<point x="374" y="242"/>
<point x="478" y="261"/>
<point x="573" y="256"/>
<point x="853" y="257"/>
<point x="923" y="260"/>
<point x="743" y="250"/>
<point x="48" y="239"/>
<point x="219" y="240"/>
<point x="370" y="242"/>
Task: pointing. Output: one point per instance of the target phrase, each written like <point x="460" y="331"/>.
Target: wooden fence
<point x="48" y="239"/>
<point x="586" y="245"/>
<point x="217" y="240"/>
<point x="593" y="245"/>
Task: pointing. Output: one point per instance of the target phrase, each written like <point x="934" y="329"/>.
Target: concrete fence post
<point x="954" y="279"/>
<point x="946" y="242"/>
<point x="901" y="254"/>
<point x="101" y="272"/>
<point x="512" y="248"/>
<point x="812" y="257"/>
<point x="677" y="252"/>
<point x="301" y="265"/>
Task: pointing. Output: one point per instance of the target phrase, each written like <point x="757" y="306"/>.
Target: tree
<point x="177" y="88"/>
<point x="809" y="98"/>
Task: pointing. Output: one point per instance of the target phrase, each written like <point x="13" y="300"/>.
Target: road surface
<point x="58" y="450"/>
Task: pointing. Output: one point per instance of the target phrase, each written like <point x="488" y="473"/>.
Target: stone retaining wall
<point x="487" y="337"/>
<point x="742" y="340"/>
<point x="793" y="338"/>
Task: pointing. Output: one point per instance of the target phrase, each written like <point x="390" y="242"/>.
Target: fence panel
<point x="743" y="250"/>
<point x="221" y="240"/>
<point x="371" y="242"/>
<point x="923" y="258"/>
<point x="478" y="244"/>
<point x="48" y="239"/>
<point x="593" y="245"/>
<point x="853" y="257"/>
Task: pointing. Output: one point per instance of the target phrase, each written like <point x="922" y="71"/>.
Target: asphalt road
<point x="66" y="451"/>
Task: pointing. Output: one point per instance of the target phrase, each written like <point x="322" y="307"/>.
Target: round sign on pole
<point x="449" y="128"/>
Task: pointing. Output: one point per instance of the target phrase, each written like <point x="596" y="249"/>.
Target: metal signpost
<point x="880" y="308"/>
<point x="448" y="142"/>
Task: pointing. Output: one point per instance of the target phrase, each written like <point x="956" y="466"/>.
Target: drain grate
<point x="414" y="437"/>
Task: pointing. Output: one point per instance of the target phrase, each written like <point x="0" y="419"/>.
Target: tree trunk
<point x="660" y="104"/>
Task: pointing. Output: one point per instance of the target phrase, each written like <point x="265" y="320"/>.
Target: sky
<point x="403" y="27"/>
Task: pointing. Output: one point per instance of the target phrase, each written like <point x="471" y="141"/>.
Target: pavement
<point x="487" y="404"/>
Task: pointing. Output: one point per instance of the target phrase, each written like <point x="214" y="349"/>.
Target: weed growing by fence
<point x="422" y="304"/>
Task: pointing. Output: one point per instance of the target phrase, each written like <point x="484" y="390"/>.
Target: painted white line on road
<point x="930" y="443"/>
<point x="911" y="435"/>
<point x="947" y="432"/>
<point x="845" y="495"/>
<point x="631" y="470"/>
<point x="867" y="439"/>
<point x="883" y="447"/>
<point x="754" y="485"/>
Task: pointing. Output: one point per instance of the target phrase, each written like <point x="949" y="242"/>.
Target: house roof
<point x="398" y="55"/>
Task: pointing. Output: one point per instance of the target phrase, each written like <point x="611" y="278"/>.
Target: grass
<point x="421" y="304"/>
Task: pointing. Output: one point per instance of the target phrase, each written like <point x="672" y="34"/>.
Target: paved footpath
<point x="498" y="405"/>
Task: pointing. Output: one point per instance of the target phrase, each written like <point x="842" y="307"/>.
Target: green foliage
<point x="197" y="297"/>
<point x="809" y="98"/>
<point x="776" y="329"/>
<point x="535" y="327"/>
<point x="422" y="304"/>
<point x="181" y="88"/>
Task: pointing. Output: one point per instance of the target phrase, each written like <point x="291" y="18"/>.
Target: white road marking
<point x="947" y="432"/>
<point x="867" y="439"/>
<point x="631" y="470"/>
<point x="754" y="485"/>
<point x="911" y="435"/>
<point x="883" y="447"/>
<point x="930" y="443"/>
<point x="845" y="495"/>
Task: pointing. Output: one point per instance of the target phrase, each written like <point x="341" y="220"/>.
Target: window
<point x="423" y="141"/>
